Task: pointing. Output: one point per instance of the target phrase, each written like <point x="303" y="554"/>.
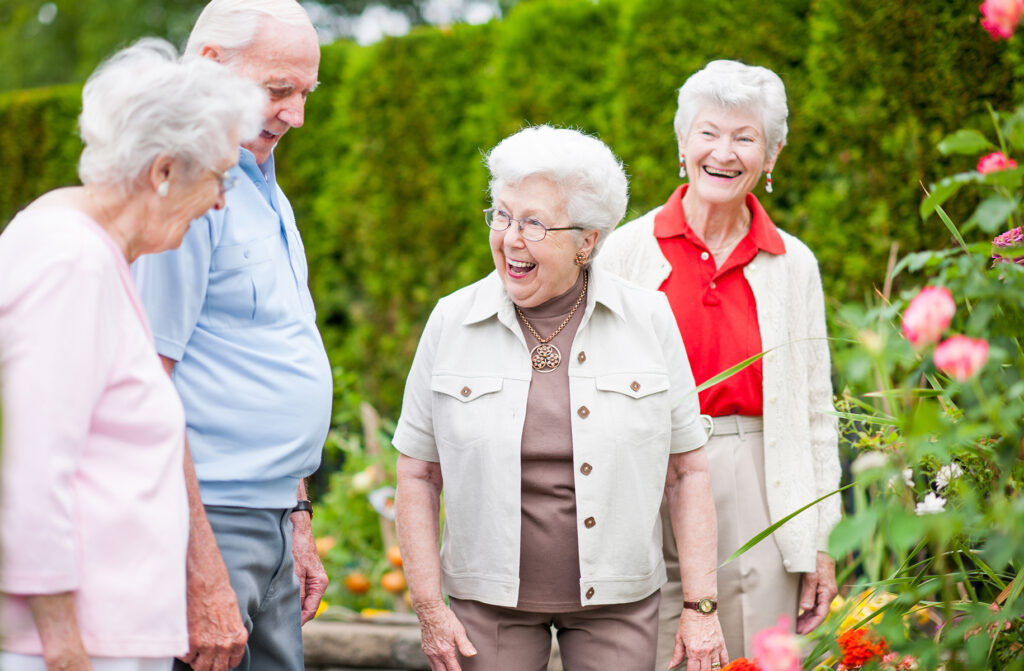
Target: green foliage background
<point x="387" y="178"/>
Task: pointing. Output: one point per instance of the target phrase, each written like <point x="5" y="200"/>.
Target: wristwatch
<point x="303" y="505"/>
<point x="705" y="605"/>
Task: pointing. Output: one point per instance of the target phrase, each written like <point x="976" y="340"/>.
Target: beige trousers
<point x="620" y="637"/>
<point x="754" y="589"/>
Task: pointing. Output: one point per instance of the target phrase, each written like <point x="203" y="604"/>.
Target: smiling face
<point x="726" y="152"/>
<point x="535" y="272"/>
<point x="285" y="60"/>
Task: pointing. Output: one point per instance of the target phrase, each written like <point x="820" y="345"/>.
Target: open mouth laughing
<point x="519" y="269"/>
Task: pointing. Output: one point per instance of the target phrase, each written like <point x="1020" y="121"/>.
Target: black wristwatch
<point x="304" y="505"/>
<point x="705" y="605"/>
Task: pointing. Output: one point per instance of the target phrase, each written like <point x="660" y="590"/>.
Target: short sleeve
<point x="54" y="358"/>
<point x="687" y="429"/>
<point x="414" y="435"/>
<point x="172" y="286"/>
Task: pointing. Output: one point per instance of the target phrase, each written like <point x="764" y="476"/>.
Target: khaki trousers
<point x="620" y="637"/>
<point x="754" y="589"/>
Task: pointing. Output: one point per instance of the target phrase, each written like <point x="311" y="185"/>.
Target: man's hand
<point x="216" y="634"/>
<point x="308" y="567"/>
<point x="819" y="588"/>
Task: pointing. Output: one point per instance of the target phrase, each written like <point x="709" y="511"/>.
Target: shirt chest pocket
<point x="637" y="405"/>
<point x="467" y="410"/>
<point x="243" y="285"/>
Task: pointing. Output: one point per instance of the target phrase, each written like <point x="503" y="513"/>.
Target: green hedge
<point x="387" y="178"/>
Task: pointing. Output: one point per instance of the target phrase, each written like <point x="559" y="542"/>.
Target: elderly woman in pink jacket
<point x="94" y="515"/>
<point x="738" y="286"/>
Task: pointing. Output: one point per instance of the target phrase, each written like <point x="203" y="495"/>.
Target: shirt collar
<point x="670" y="222"/>
<point x="492" y="300"/>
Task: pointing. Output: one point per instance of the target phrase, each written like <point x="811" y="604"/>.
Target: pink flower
<point x="1001" y="17"/>
<point x="1012" y="239"/>
<point x="776" y="649"/>
<point x="995" y="161"/>
<point x="928" y="316"/>
<point x="961" y="357"/>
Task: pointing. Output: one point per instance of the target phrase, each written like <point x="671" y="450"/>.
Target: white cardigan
<point x="800" y="440"/>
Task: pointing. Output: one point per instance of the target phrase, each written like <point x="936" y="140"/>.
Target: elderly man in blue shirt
<point x="234" y="323"/>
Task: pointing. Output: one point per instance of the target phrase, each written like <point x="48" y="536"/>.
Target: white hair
<point x="234" y="24"/>
<point x="589" y="177"/>
<point x="144" y="102"/>
<point x="736" y="86"/>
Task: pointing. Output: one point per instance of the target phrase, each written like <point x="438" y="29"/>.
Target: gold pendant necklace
<point x="545" y="357"/>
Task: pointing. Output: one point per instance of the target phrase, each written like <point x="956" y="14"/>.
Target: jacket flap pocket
<point x="249" y="253"/>
<point x="636" y="385"/>
<point x="464" y="388"/>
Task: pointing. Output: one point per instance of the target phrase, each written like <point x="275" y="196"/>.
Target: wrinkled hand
<point x="819" y="588"/>
<point x="699" y="639"/>
<point x="308" y="567"/>
<point x="67" y="658"/>
<point x="216" y="634"/>
<point x="441" y="634"/>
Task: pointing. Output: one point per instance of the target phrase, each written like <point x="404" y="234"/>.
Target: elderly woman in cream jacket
<point x="739" y="286"/>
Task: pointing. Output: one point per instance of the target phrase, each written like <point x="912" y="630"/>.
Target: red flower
<point x="995" y="161"/>
<point x="860" y="646"/>
<point x="742" y="664"/>
<point x="1001" y="17"/>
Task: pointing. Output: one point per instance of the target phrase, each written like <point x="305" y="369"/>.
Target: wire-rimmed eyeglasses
<point x="530" y="228"/>
<point x="226" y="179"/>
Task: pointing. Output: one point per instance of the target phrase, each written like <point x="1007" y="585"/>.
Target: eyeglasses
<point x="227" y="180"/>
<point x="529" y="227"/>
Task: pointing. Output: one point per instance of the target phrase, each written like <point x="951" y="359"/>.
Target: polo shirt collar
<point x="492" y="300"/>
<point x="670" y="222"/>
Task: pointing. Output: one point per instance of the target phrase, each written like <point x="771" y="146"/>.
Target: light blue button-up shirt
<point x="232" y="306"/>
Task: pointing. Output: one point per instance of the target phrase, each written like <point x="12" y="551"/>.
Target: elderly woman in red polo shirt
<point x="739" y="286"/>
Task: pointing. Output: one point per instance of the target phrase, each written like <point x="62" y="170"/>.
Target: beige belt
<point x="732" y="425"/>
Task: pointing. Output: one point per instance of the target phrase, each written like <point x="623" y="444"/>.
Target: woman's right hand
<point x="442" y="634"/>
<point x="57" y="623"/>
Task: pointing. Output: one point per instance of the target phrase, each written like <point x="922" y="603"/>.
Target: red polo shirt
<point x="715" y="307"/>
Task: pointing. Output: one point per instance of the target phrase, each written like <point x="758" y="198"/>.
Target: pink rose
<point x="928" y="316"/>
<point x="995" y="162"/>
<point x="1001" y="17"/>
<point x="776" y="649"/>
<point x="961" y="357"/>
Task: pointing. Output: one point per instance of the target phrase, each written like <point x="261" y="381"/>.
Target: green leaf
<point x="942" y="190"/>
<point x="994" y="212"/>
<point x="870" y="419"/>
<point x="952" y="228"/>
<point x="852" y="532"/>
<point x="905" y="529"/>
<point x="770" y="530"/>
<point x="727" y="373"/>
<point x="965" y="141"/>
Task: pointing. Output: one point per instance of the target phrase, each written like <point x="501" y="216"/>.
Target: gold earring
<point x="581" y="257"/>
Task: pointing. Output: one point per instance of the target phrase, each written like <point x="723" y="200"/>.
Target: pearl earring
<point x="163" y="189"/>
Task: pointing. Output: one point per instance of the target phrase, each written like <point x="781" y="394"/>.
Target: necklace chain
<point x="561" y="326"/>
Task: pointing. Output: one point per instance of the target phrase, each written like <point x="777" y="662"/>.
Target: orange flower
<point x="742" y="664"/>
<point x="860" y="646"/>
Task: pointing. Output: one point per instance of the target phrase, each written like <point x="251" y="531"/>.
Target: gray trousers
<point x="256" y="545"/>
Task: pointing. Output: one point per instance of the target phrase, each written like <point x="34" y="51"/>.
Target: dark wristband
<point x="304" y="505"/>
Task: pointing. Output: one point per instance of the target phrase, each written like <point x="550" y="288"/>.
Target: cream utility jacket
<point x="801" y="454"/>
<point x="633" y="402"/>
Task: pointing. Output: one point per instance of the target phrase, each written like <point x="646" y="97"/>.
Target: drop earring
<point x="163" y="189"/>
<point x="682" y="166"/>
<point x="768" y="181"/>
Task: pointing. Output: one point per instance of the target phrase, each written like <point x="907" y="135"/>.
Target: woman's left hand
<point x="816" y="596"/>
<point x="699" y="639"/>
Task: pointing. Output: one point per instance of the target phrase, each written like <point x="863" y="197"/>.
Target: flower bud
<point x="928" y="316"/>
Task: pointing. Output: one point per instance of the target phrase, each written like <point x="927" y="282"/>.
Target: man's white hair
<point x="144" y="102"/>
<point x="736" y="86"/>
<point x="234" y="24"/>
<point x="591" y="180"/>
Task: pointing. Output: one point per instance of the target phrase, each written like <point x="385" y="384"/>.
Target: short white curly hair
<point x="736" y="86"/>
<point x="588" y="175"/>
<point x="144" y="102"/>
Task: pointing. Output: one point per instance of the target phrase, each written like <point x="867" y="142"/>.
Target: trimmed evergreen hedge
<point x="388" y="183"/>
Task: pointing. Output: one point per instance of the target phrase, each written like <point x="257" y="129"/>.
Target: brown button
<point x="466" y="391"/>
<point x="586" y="468"/>
<point x="581" y="357"/>
<point x="635" y="386"/>
<point x="583" y="412"/>
<point x="589" y="522"/>
<point x="590" y="593"/>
